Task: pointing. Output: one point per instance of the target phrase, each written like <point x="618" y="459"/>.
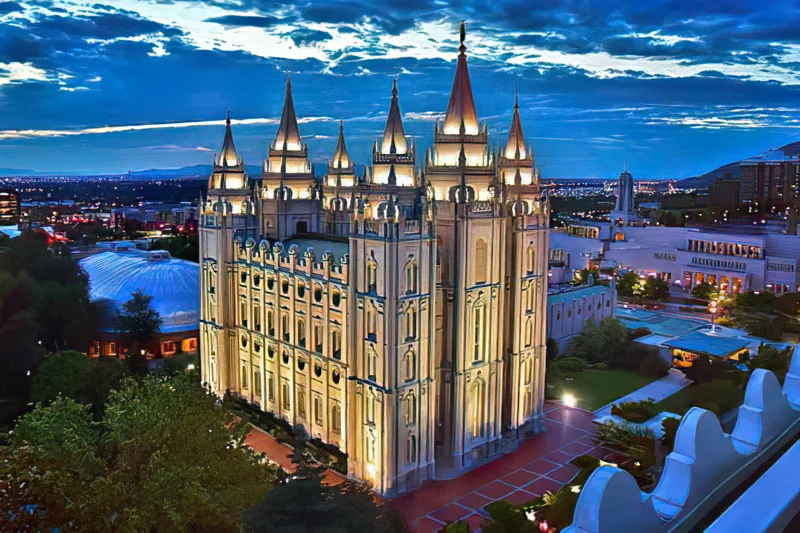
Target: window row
<point x="301" y="287"/>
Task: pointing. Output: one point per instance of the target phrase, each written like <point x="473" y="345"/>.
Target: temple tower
<point x="227" y="214"/>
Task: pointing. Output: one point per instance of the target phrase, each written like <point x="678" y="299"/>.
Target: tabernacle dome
<point x="173" y="283"/>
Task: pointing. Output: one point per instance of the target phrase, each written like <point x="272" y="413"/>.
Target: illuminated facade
<point x="398" y="314"/>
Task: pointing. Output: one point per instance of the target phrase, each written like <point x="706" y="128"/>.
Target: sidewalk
<point x="657" y="390"/>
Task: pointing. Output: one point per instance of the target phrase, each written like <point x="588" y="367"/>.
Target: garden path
<point x="674" y="381"/>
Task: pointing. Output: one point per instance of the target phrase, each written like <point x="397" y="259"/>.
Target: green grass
<point x="677" y="403"/>
<point x="596" y="388"/>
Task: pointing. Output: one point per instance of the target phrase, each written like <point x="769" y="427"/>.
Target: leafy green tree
<point x="607" y="342"/>
<point x="668" y="218"/>
<point x="306" y="503"/>
<point x="165" y="457"/>
<point x="772" y="359"/>
<point x="626" y="283"/>
<point x="703" y="290"/>
<point x="582" y="275"/>
<point x="138" y="318"/>
<point x="655" y="289"/>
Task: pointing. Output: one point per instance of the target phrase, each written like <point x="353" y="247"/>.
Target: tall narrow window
<point x="243" y="309"/>
<point x="336" y="417"/>
<point x="301" y="402"/>
<point x="243" y="376"/>
<point x="530" y="294"/>
<point x="336" y="339"/>
<point x="370" y="449"/>
<point x="270" y="388"/>
<point x="411" y="323"/>
<point x="477" y="333"/>
<point x="270" y="323"/>
<point x="370" y="409"/>
<point x="318" y="338"/>
<point x="286" y="396"/>
<point x="318" y="410"/>
<point x="411" y="453"/>
<point x="257" y="317"/>
<point x="528" y="333"/>
<point x="285" y="327"/>
<point x="257" y="382"/>
<point x="372" y="364"/>
<point x="372" y="324"/>
<point x="526" y="372"/>
<point x="372" y="276"/>
<point x="478" y="425"/>
<point x="411" y="277"/>
<point x="301" y="333"/>
<point x="531" y="259"/>
<point x="411" y="365"/>
<point x="411" y="409"/>
<point x="480" y="262"/>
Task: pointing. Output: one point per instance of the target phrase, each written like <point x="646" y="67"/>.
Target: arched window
<point x="286" y="398"/>
<point x="270" y="388"/>
<point x="257" y="382"/>
<point x="317" y="293"/>
<point x="372" y="364"/>
<point x="370" y="448"/>
<point x="318" y="338"/>
<point x="476" y="409"/>
<point x="411" y="454"/>
<point x="285" y="327"/>
<point x="411" y="409"/>
<point x="257" y="317"/>
<point x="529" y="295"/>
<point x="531" y="259"/>
<point x="411" y="277"/>
<point x="243" y="376"/>
<point x="478" y="328"/>
<point x="301" y="333"/>
<point x="336" y="340"/>
<point x="336" y="299"/>
<point x="270" y="323"/>
<point x="410" y="365"/>
<point x="411" y="323"/>
<point x="480" y="261"/>
<point x="243" y="310"/>
<point x="372" y="324"/>
<point x="301" y="290"/>
<point x="370" y="408"/>
<point x="528" y="333"/>
<point x="318" y="414"/>
<point x="336" y="417"/>
<point x="301" y="402"/>
<point x="372" y="275"/>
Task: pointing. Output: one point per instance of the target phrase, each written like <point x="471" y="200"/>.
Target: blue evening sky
<point x="676" y="87"/>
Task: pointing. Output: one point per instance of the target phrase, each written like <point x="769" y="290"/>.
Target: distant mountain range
<point x="704" y="180"/>
<point x="10" y="172"/>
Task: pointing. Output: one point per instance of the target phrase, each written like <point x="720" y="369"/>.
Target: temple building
<point x="398" y="313"/>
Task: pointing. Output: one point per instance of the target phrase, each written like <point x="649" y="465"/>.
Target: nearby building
<point x="770" y="181"/>
<point x="9" y="207"/>
<point x="624" y="212"/>
<point x="115" y="274"/>
<point x="399" y="315"/>
<point x="570" y="307"/>
<point x="687" y="348"/>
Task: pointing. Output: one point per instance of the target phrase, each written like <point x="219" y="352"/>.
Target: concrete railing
<point x="705" y="465"/>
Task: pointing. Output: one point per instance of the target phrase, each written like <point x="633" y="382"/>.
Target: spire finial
<point x="394" y="86"/>
<point x="626" y="164"/>
<point x="462" y="30"/>
<point x="228" y="117"/>
<point x="289" y="81"/>
<point x="516" y="95"/>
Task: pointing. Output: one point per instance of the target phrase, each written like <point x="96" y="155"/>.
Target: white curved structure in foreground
<point x="704" y="466"/>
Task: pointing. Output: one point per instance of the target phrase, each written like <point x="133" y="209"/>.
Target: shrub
<point x="639" y="332"/>
<point x="670" y="427"/>
<point x="637" y="412"/>
<point x="653" y="365"/>
<point x="705" y="369"/>
<point x="570" y="365"/>
<point x="457" y="527"/>
<point x="703" y="290"/>
<point x="507" y="518"/>
<point x="726" y="321"/>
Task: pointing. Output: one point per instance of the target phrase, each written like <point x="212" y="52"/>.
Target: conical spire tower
<point x="461" y="116"/>
<point x="288" y="136"/>
<point x="515" y="146"/>
<point x="341" y="159"/>
<point x="394" y="136"/>
<point x="228" y="166"/>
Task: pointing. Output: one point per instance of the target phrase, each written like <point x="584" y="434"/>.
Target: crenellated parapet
<point x="705" y="465"/>
<point x="280" y="258"/>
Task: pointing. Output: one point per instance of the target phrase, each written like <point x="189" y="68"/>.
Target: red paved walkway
<point x="537" y="466"/>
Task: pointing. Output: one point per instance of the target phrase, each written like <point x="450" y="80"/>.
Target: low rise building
<point x="570" y="307"/>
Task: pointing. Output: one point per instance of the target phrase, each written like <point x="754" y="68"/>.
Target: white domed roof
<point x="174" y="284"/>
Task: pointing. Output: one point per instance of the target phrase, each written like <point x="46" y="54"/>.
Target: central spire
<point x="288" y="136"/>
<point x="228" y="156"/>
<point x="515" y="146"/>
<point x="341" y="159"/>
<point x="461" y="116"/>
<point x="394" y="136"/>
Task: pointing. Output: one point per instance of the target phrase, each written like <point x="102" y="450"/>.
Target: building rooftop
<point x="173" y="283"/>
<point x="707" y="343"/>
<point x="320" y="245"/>
<point x="560" y="293"/>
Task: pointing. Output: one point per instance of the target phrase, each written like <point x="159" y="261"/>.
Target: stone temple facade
<point x="399" y="313"/>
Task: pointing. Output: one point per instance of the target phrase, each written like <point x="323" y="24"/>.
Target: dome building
<point x="115" y="274"/>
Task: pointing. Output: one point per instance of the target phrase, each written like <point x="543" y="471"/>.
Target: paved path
<point x="657" y="390"/>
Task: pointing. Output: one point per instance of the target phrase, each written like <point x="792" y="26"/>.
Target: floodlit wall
<point x="704" y="466"/>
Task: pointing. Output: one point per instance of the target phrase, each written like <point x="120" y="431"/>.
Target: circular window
<point x="317" y="370"/>
<point x="301" y="365"/>
<point x="335" y="377"/>
<point x="337" y="298"/>
<point x="285" y="358"/>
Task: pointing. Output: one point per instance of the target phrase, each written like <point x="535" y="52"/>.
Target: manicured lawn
<point x="596" y="388"/>
<point x="678" y="403"/>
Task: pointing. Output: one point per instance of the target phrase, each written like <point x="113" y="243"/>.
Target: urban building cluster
<point x="398" y="314"/>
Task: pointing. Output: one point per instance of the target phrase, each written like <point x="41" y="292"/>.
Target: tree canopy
<point x="164" y="457"/>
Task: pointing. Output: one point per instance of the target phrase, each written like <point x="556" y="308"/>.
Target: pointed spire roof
<point x="461" y="115"/>
<point x="515" y="146"/>
<point x="394" y="137"/>
<point x="227" y="156"/>
<point x="341" y="159"/>
<point x="288" y="136"/>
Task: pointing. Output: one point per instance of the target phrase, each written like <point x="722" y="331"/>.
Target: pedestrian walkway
<point x="674" y="381"/>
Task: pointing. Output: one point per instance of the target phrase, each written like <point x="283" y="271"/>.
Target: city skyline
<point x="677" y="90"/>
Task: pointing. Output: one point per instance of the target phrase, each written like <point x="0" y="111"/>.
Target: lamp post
<point x="712" y="308"/>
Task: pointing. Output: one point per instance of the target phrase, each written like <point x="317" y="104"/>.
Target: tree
<point x="772" y="359"/>
<point x="165" y="457"/>
<point x="306" y="503"/>
<point x="705" y="369"/>
<point x="626" y="283"/>
<point x="607" y="341"/>
<point x="655" y="289"/>
<point x="703" y="290"/>
<point x="668" y="218"/>
<point x="138" y="318"/>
